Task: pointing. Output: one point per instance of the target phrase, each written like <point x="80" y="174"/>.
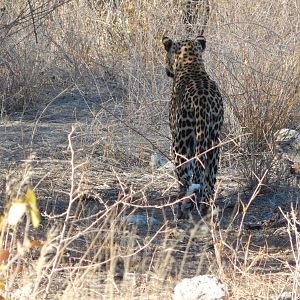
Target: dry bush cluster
<point x="112" y="50"/>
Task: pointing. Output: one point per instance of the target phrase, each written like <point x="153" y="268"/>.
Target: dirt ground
<point x="253" y="250"/>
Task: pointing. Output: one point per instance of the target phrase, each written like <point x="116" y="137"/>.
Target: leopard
<point x="196" y="115"/>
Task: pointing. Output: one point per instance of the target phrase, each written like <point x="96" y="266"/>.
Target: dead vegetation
<point x="84" y="95"/>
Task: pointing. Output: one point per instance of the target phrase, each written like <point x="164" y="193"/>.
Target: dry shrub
<point x="255" y="59"/>
<point x="21" y="84"/>
<point x="25" y="58"/>
<point x="252" y="53"/>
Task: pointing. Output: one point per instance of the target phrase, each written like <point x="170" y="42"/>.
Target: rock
<point x="204" y="287"/>
<point x="288" y="144"/>
<point x="140" y="220"/>
<point x="23" y="292"/>
<point x="288" y="147"/>
<point x="159" y="161"/>
<point x="286" y="296"/>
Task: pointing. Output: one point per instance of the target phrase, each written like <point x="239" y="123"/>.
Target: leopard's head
<point x="182" y="52"/>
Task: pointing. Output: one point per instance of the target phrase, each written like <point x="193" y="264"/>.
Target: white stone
<point x="140" y="220"/>
<point x="286" y="296"/>
<point x="204" y="287"/>
<point x="286" y="134"/>
<point x="288" y="144"/>
<point x="158" y="161"/>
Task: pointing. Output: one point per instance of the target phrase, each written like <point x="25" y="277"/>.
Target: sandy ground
<point x="112" y="160"/>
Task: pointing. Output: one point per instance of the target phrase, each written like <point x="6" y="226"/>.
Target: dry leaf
<point x="4" y="254"/>
<point x="16" y="212"/>
<point x="36" y="244"/>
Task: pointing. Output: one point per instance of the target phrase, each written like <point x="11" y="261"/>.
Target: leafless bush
<point x="24" y="56"/>
<point x="256" y="62"/>
<point x="253" y="54"/>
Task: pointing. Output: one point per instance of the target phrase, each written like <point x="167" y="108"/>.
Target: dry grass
<point x="85" y="82"/>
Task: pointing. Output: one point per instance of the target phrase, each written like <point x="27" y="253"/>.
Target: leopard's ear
<point x="167" y="43"/>
<point x="201" y="40"/>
